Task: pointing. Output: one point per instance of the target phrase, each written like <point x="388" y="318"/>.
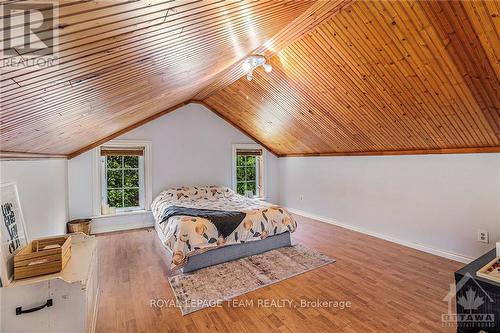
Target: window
<point x="123" y="183"/>
<point x="248" y="175"/>
<point x="124" y="180"/>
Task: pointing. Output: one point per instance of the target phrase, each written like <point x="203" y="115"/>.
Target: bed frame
<point x="230" y="252"/>
<point x="236" y="251"/>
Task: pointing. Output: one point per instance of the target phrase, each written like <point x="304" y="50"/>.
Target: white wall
<point x="190" y="146"/>
<point x="42" y="187"/>
<point x="434" y="202"/>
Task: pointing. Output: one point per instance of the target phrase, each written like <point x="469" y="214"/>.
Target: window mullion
<point x="123" y="185"/>
<point x="246" y="175"/>
<point x="257" y="177"/>
<point x="123" y="181"/>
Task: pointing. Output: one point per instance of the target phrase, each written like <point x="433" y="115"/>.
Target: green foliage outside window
<point x="246" y="175"/>
<point x="123" y="181"/>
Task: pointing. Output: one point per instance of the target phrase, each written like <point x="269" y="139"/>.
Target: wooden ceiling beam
<point x="478" y="150"/>
<point x="15" y="156"/>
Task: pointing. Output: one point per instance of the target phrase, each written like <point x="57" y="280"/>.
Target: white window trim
<point x="237" y="146"/>
<point x="142" y="194"/>
<point x="96" y="172"/>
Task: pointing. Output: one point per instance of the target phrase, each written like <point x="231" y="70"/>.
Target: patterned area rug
<point x="213" y="285"/>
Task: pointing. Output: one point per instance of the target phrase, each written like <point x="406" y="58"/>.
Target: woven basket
<point x="80" y="225"/>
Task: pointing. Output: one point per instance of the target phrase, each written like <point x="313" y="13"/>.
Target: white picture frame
<point x="13" y="235"/>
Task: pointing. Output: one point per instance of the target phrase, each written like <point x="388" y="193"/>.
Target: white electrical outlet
<point x="483" y="236"/>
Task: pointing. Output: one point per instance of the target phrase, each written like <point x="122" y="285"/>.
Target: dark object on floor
<point x="478" y="299"/>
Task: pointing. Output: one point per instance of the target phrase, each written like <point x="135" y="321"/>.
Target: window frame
<point x="99" y="174"/>
<point x="105" y="188"/>
<point x="260" y="173"/>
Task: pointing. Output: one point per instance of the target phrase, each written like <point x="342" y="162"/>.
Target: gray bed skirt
<point x="233" y="252"/>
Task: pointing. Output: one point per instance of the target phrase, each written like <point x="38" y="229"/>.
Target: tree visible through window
<point x="246" y="174"/>
<point x="123" y="181"/>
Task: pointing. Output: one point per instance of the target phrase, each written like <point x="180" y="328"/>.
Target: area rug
<point x="212" y="286"/>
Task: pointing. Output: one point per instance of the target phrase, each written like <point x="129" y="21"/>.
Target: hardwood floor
<point x="391" y="288"/>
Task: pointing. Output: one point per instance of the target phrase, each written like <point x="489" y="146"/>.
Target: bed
<point x="206" y="225"/>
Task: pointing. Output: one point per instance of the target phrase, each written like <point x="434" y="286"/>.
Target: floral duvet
<point x="186" y="236"/>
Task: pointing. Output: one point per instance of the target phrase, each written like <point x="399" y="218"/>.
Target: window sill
<point x="132" y="212"/>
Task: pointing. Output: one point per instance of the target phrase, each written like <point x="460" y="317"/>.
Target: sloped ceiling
<point x="348" y="78"/>
<point x="380" y="77"/>
<point x="122" y="62"/>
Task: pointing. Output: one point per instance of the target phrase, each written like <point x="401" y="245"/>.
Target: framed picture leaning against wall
<point x="13" y="236"/>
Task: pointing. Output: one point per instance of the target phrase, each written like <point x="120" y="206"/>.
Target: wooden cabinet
<point x="70" y="296"/>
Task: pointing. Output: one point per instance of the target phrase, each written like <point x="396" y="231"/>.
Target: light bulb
<point x="268" y="68"/>
<point x="246" y="66"/>
<point x="249" y="76"/>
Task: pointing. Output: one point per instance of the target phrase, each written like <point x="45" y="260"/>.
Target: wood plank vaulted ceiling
<point x="349" y="77"/>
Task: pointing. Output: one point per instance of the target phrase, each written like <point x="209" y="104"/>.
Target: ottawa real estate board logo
<point x="473" y="309"/>
<point x="30" y="34"/>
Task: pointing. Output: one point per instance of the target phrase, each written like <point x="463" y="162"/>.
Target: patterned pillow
<point x="198" y="192"/>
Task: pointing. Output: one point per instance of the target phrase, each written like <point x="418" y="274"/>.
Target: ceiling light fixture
<point x="254" y="61"/>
